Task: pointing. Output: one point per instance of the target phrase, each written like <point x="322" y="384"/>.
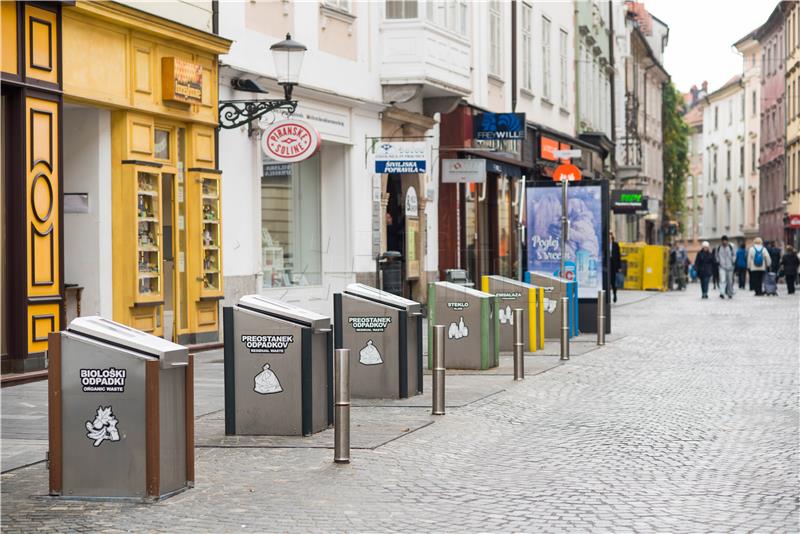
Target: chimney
<point x="705" y="87"/>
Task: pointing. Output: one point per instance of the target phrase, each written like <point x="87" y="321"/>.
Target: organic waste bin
<point x="121" y="412"/>
<point x="278" y="369"/>
<point x="384" y="335"/>
<point x="471" y="323"/>
<point x="554" y="289"/>
<point x="515" y="294"/>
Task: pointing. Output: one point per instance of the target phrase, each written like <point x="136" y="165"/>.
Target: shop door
<point x="477" y="245"/>
<point x="168" y="259"/>
<point x="395" y="231"/>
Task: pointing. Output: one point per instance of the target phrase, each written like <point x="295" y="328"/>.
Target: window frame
<point x="527" y="46"/>
<point x="564" y="67"/>
<point x="547" y="92"/>
<point x="495" y="38"/>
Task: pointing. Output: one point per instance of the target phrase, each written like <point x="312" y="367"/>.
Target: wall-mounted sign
<point x="627" y="201"/>
<point x="404" y="157"/>
<point x="567" y="171"/>
<point x="182" y="81"/>
<point x="463" y="171"/>
<point x="794" y="221"/>
<point x="567" y="153"/>
<point x="552" y="150"/>
<point x="412" y="203"/>
<point x="499" y="126"/>
<point x="290" y="140"/>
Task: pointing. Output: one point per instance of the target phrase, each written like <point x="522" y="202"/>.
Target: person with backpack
<point x="704" y="264"/>
<point x="741" y="264"/>
<point x="758" y="262"/>
<point x="790" y="264"/>
<point x="726" y="261"/>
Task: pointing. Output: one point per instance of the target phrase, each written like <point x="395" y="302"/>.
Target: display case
<point x="149" y="282"/>
<point x="211" y="236"/>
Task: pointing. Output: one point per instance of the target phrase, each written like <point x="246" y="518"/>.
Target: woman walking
<point x="758" y="262"/>
<point x="704" y="265"/>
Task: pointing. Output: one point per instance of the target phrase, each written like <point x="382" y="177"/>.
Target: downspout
<point x="215" y="31"/>
<point x="513" y="55"/>
<point x="613" y="89"/>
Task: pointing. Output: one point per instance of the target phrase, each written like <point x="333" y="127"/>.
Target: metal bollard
<point x="437" y="407"/>
<point x="564" y="328"/>
<point x="341" y="413"/>
<point x="519" y="346"/>
<point x="601" y="317"/>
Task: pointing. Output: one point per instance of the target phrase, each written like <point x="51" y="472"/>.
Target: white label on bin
<point x="266" y="382"/>
<point x="104" y="426"/>
<point x="369" y="354"/>
<point x="506" y="316"/>
<point x="458" y="306"/>
<point x="458" y="330"/>
<point x="268" y="343"/>
<point x="109" y="380"/>
<point x="369" y="324"/>
<point x="550" y="305"/>
<point x="508" y="295"/>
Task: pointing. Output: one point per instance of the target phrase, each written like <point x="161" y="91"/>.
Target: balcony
<point x="417" y="52"/>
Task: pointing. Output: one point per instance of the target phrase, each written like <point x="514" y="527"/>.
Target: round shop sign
<point x="290" y="140"/>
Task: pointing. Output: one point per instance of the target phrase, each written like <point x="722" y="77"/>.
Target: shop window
<point x="161" y="144"/>
<point x="291" y="252"/>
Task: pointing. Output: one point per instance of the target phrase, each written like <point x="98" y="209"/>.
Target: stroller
<point x="771" y="284"/>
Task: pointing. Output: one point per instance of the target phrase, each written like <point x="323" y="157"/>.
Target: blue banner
<point x="400" y="167"/>
<point x="499" y="126"/>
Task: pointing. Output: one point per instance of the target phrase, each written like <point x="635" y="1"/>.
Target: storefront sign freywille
<point x="464" y="171"/>
<point x="490" y="126"/>
<point x="182" y="80"/>
<point x="403" y="157"/>
<point x="290" y="141"/>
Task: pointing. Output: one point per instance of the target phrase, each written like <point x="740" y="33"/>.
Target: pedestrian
<point x="617" y="279"/>
<point x="741" y="264"/>
<point x="673" y="266"/>
<point x="714" y="271"/>
<point x="758" y="262"/>
<point x="704" y="265"/>
<point x="726" y="261"/>
<point x="683" y="263"/>
<point x="774" y="256"/>
<point x="790" y="262"/>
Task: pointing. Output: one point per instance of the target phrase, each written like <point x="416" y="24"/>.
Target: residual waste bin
<point x="121" y="412"/>
<point x="278" y="369"/>
<point x="554" y="289"/>
<point x="471" y="325"/>
<point x="384" y="335"/>
<point x="515" y="294"/>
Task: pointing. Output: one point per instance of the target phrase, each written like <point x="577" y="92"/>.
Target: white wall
<point x="194" y="13"/>
<point x="87" y="236"/>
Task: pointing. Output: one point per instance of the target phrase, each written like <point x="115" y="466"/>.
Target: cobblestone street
<point x="686" y="421"/>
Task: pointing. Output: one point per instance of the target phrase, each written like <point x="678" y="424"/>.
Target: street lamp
<point x="288" y="58"/>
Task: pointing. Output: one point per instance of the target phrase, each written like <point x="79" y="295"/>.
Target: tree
<point x="675" y="153"/>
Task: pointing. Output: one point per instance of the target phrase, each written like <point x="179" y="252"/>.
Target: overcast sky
<point x="701" y="33"/>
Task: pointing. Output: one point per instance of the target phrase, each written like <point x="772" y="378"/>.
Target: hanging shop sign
<point x="182" y="81"/>
<point x="499" y="126"/>
<point x="412" y="203"/>
<point x="627" y="201"/>
<point x="794" y="221"/>
<point x="567" y="171"/>
<point x="404" y="157"/>
<point x="552" y="150"/>
<point x="464" y="171"/>
<point x="290" y="141"/>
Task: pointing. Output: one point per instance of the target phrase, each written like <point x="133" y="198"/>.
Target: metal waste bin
<point x="515" y="294"/>
<point x="390" y="265"/>
<point x="385" y="332"/>
<point x="554" y="289"/>
<point x="121" y="412"/>
<point x="278" y="369"/>
<point x="471" y="323"/>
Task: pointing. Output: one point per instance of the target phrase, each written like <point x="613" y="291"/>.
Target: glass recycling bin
<point x="515" y="294"/>
<point x="384" y="334"/>
<point x="121" y="412"/>
<point x="472" y="328"/>
<point x="278" y="369"/>
<point x="554" y="289"/>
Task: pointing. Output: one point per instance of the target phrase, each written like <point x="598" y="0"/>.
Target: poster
<point x="585" y="259"/>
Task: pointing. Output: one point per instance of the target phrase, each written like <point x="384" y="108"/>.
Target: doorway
<point x="168" y="259"/>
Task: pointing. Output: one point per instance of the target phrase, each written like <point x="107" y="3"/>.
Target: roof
<point x="749" y="36"/>
<point x="694" y="116"/>
<point x="772" y="21"/>
<point x="736" y="80"/>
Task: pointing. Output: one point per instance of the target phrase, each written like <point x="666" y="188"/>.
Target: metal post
<point x="564" y="226"/>
<point x="519" y="346"/>
<point x="601" y="317"/>
<point x="564" y="328"/>
<point x="438" y="370"/>
<point x="341" y="413"/>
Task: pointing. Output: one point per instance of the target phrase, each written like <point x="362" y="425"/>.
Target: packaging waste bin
<point x="554" y="289"/>
<point x="278" y="369"/>
<point x="515" y="294"/>
<point x="384" y="335"/>
<point x="471" y="323"/>
<point x="655" y="267"/>
<point x="121" y="412"/>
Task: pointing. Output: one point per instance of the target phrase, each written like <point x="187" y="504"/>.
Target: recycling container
<point x="121" y="412"/>
<point x="515" y="294"/>
<point x="655" y="267"/>
<point x="384" y="334"/>
<point x="554" y="289"/>
<point x="471" y="323"/>
<point x="278" y="369"/>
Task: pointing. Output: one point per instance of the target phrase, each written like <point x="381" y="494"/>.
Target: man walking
<point x="758" y="262"/>
<point x="790" y="263"/>
<point x="726" y="260"/>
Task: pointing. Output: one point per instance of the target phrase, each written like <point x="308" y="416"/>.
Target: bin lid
<point x="463" y="289"/>
<point x="512" y="281"/>
<point x="371" y="293"/>
<point x="106" y="330"/>
<point x="551" y="277"/>
<point x="282" y="310"/>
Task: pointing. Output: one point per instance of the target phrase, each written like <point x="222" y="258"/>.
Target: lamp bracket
<point x="236" y="113"/>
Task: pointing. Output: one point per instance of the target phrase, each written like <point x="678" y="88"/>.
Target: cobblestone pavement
<point x="686" y="422"/>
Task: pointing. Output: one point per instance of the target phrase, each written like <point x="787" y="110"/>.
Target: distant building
<point x="692" y="220"/>
<point x="792" y="185"/>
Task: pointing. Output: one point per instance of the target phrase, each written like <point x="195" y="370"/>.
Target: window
<point x="730" y="112"/>
<point x="546" y="57"/>
<point x="564" y="40"/>
<point x="727" y="212"/>
<point x="716" y="117"/>
<point x="527" y="47"/>
<point x="754" y="160"/>
<point x="741" y="209"/>
<point x="291" y="223"/>
<point x="343" y="5"/>
<point x="495" y="39"/>
<point x="449" y="14"/>
<point x="728" y="165"/>
<point x="741" y="160"/>
<point x="714" y="171"/>
<point x="743" y="101"/>
<point x="755" y="105"/>
<point x="401" y="9"/>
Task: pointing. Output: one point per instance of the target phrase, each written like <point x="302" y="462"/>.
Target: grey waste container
<point x="554" y="289"/>
<point x="278" y="369"/>
<point x="384" y="335"/>
<point x="121" y="412"/>
<point x="471" y="325"/>
<point x="515" y="294"/>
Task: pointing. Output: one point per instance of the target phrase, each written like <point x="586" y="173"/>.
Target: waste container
<point x="278" y="369"/>
<point x="384" y="335"/>
<point x="390" y="265"/>
<point x="458" y="276"/>
<point x="554" y="289"/>
<point x="121" y="412"/>
<point x="515" y="294"/>
<point x="655" y="268"/>
<point x="471" y="323"/>
<point x="632" y="255"/>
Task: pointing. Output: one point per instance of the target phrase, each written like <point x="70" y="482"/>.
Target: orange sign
<point x="546" y="148"/>
<point x="567" y="171"/>
<point x="182" y="81"/>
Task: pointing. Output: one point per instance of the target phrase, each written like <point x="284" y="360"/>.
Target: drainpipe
<point x="612" y="88"/>
<point x="513" y="55"/>
<point x="215" y="31"/>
